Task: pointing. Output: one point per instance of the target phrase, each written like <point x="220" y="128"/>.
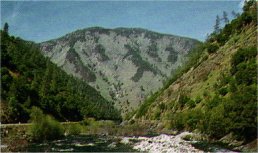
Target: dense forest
<point x="230" y="104"/>
<point x="29" y="79"/>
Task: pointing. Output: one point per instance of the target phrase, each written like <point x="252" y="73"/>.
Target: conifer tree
<point x="234" y="14"/>
<point x="225" y="17"/>
<point x="6" y="27"/>
<point x="217" y="25"/>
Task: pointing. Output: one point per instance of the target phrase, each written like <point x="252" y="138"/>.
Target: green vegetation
<point x="101" y="50"/>
<point x="85" y="71"/>
<point x="222" y="114"/>
<point x="44" y="127"/>
<point x="193" y="61"/>
<point x="229" y="106"/>
<point x="212" y="48"/>
<point x="147" y="34"/>
<point x="99" y="30"/>
<point x="153" y="51"/>
<point x="29" y="79"/>
<point x="173" y="55"/>
<point x="142" y="65"/>
<point x="73" y="129"/>
<point x="222" y="36"/>
<point x="146" y="104"/>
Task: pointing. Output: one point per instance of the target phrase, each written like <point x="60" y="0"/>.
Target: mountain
<point x="124" y="64"/>
<point x="215" y="92"/>
<point x="29" y="79"/>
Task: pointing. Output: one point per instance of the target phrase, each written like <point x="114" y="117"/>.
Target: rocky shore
<point x="161" y="143"/>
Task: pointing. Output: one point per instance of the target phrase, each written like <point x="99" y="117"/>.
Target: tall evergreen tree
<point x="225" y="17"/>
<point x="234" y="14"/>
<point x="6" y="27"/>
<point x="217" y="25"/>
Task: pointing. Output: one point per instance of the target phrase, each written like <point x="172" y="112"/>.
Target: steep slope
<point x="29" y="79"/>
<point x="123" y="64"/>
<point x="215" y="94"/>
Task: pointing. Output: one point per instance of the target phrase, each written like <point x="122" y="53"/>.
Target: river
<point x="82" y="143"/>
<point x="104" y="143"/>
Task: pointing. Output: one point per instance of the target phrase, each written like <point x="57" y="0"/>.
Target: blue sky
<point x="45" y="20"/>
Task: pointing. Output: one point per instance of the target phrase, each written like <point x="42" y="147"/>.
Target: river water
<point x="103" y="143"/>
<point x="82" y="143"/>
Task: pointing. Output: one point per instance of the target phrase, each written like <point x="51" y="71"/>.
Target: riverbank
<point x="126" y="137"/>
<point x="16" y="137"/>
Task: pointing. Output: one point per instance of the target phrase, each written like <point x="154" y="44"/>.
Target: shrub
<point x="198" y="100"/>
<point x="88" y="121"/>
<point x="191" y="103"/>
<point x="217" y="124"/>
<point x="243" y="54"/>
<point x="222" y="38"/>
<point x="232" y="85"/>
<point x="157" y="114"/>
<point x="183" y="99"/>
<point x="223" y="91"/>
<point x="162" y="106"/>
<point x="44" y="127"/>
<point x="193" y="118"/>
<point x="178" y="122"/>
<point x="213" y="102"/>
<point x="246" y="73"/>
<point x="212" y="48"/>
<point x="74" y="129"/>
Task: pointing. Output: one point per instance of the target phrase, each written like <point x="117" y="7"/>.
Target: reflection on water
<point x="82" y="143"/>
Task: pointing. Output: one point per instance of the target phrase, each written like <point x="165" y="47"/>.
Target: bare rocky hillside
<point x="124" y="64"/>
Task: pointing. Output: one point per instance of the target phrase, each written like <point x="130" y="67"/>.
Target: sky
<point x="44" y="20"/>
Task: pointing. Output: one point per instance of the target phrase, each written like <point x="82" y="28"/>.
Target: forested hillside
<point x="29" y="79"/>
<point x="216" y="91"/>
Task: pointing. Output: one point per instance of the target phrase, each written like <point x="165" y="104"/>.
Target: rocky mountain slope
<point x="215" y="94"/>
<point x="123" y="64"/>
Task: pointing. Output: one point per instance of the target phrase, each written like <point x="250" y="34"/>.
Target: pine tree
<point x="234" y="14"/>
<point x="6" y="27"/>
<point x="225" y="17"/>
<point x="217" y="25"/>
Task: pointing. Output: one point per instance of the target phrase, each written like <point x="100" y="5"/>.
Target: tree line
<point x="29" y="79"/>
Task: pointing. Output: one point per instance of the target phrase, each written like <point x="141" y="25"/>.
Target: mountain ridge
<point x="118" y="28"/>
<point x="103" y="57"/>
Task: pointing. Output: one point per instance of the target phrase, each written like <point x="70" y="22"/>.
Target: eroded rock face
<point x="125" y="65"/>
